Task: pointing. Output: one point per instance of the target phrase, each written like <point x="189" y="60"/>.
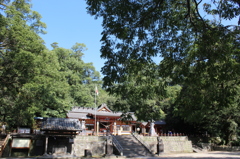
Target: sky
<point x="68" y="23"/>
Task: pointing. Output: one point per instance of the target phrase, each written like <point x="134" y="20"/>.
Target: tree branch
<point x="4" y="6"/>
<point x="196" y="8"/>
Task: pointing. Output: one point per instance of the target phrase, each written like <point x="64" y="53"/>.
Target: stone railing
<point x="117" y="145"/>
<point x="146" y="145"/>
<point x="197" y="148"/>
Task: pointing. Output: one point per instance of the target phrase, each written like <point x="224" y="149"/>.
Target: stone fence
<point x="95" y="145"/>
<point x="170" y="143"/>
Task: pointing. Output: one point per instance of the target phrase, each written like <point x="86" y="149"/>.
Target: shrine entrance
<point x="105" y="127"/>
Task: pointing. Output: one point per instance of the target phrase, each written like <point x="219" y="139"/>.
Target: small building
<point x="102" y="120"/>
<point x="60" y="134"/>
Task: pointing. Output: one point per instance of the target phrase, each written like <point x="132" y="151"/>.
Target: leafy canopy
<point x="198" y="52"/>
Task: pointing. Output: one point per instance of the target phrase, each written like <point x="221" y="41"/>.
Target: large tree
<point x="196" y="51"/>
<point x="35" y="81"/>
<point x="81" y="77"/>
<point x="20" y="46"/>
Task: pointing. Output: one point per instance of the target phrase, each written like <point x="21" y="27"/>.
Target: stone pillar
<point x="71" y="141"/>
<point x="46" y="145"/>
<point x="160" y="146"/>
<point x="109" y="146"/>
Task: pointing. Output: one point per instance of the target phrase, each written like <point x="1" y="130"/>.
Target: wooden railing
<point x="117" y="145"/>
<point x="3" y="145"/>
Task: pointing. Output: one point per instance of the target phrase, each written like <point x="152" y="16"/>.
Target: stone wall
<point x="226" y="148"/>
<point x="94" y="145"/>
<point x="171" y="143"/>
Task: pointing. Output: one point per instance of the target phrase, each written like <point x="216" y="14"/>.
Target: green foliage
<point x="211" y="84"/>
<point x="35" y="81"/>
<point x="81" y="77"/>
<point x="200" y="54"/>
<point x="20" y="47"/>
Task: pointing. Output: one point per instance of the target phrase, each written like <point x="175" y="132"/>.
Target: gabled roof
<point x="61" y="124"/>
<point x="104" y="108"/>
<point x="85" y="113"/>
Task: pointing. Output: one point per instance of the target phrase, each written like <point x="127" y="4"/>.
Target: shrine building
<point x="102" y="120"/>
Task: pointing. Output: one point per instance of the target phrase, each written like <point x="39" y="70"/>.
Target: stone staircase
<point x="132" y="147"/>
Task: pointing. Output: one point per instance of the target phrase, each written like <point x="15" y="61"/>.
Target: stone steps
<point x="132" y="147"/>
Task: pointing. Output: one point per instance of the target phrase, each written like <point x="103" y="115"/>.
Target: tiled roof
<point x="77" y="115"/>
<point x="103" y="110"/>
<point x="61" y="124"/>
<point x="78" y="112"/>
<point x="83" y="110"/>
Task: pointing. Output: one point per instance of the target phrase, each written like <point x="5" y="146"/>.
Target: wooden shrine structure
<point x="102" y="120"/>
